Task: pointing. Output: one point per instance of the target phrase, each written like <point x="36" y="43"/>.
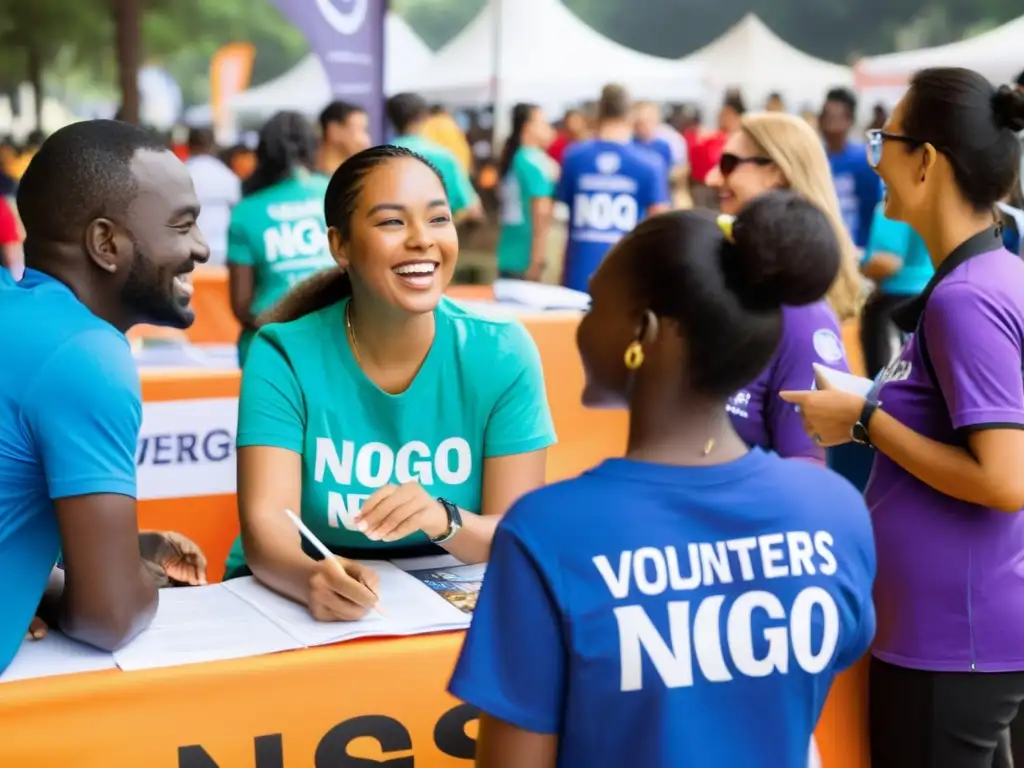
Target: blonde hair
<point x="799" y="155"/>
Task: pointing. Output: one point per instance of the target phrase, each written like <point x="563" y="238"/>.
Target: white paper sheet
<point x="196" y="624"/>
<point x="845" y="382"/>
<point x="411" y="608"/>
<point x="56" y="654"/>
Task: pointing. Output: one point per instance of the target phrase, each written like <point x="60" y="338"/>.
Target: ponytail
<point x="287" y="142"/>
<point x="316" y="292"/>
<point x="521" y="114"/>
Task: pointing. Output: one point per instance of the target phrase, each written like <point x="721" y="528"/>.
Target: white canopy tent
<point x="304" y="88"/>
<point x="751" y="57"/>
<point x="539" y="51"/>
<point x="997" y="54"/>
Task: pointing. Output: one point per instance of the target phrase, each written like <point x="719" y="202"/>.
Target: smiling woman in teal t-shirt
<point x="396" y="420"/>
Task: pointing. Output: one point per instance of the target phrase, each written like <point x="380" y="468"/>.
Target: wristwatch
<point x="454" y="521"/>
<point x="859" y="431"/>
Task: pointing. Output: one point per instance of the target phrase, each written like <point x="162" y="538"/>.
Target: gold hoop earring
<point x="634" y="356"/>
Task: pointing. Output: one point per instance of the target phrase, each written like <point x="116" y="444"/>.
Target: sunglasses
<point x="730" y="162"/>
<point x="877" y="139"/>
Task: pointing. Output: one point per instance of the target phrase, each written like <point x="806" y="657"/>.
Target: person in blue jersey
<point x="709" y="592"/>
<point x="646" y="121"/>
<point x="857" y="185"/>
<point x="897" y="260"/>
<point x="772" y="150"/>
<point x="609" y="186"/>
<point x="110" y="221"/>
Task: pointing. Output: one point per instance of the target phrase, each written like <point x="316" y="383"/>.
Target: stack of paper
<point x="540" y="295"/>
<point x="845" y="382"/>
<point x="411" y="608"/>
<point x="56" y="654"/>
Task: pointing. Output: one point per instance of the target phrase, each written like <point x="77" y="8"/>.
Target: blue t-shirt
<point x="608" y="187"/>
<point x="658" y="147"/>
<point x="695" y="616"/>
<point x="859" y="189"/>
<point x="899" y="239"/>
<point x="70" y="413"/>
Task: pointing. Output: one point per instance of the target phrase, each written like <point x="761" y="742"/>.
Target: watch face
<point x="859" y="434"/>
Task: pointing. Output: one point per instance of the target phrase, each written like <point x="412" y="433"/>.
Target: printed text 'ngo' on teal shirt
<point x="479" y="394"/>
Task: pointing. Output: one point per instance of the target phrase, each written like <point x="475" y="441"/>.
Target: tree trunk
<point x="34" y="66"/>
<point x="128" y="46"/>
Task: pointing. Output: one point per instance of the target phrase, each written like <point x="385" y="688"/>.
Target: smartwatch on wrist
<point x="454" y="522"/>
<point x="859" y="431"/>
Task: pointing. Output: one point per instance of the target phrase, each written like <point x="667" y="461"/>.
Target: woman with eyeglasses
<point x="777" y="151"/>
<point x="947" y="421"/>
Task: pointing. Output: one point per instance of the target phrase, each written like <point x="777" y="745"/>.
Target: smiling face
<point x="403" y="246"/>
<point x="905" y="170"/>
<point x="165" y="243"/>
<point x="742" y="174"/>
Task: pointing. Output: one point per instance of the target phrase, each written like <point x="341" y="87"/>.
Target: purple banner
<point x="348" y="38"/>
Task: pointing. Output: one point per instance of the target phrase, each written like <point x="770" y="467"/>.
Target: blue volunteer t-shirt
<point x="70" y="413"/>
<point x="609" y="188"/>
<point x="859" y="189"/>
<point x="695" y="617"/>
<point x="658" y="147"/>
<point x="897" y="238"/>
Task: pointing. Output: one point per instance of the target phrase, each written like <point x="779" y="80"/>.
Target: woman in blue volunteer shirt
<point x="708" y="592"/>
<point x="947" y="419"/>
<point x="772" y="151"/>
<point x="397" y="422"/>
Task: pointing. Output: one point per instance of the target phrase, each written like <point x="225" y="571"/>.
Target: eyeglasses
<point x="877" y="139"/>
<point x="730" y="162"/>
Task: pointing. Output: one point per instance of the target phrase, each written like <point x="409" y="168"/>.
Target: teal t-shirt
<point x="531" y="176"/>
<point x="899" y="239"/>
<point x="457" y="184"/>
<point x="479" y="394"/>
<point x="280" y="232"/>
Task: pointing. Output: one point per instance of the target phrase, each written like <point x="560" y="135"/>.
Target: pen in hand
<point x="319" y="546"/>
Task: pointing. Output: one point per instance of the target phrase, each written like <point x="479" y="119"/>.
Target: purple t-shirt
<point x="810" y="334"/>
<point x="950" y="588"/>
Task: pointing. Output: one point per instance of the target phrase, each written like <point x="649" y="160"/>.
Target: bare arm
<point x="241" y="285"/>
<point x="506" y="479"/>
<point x="269" y="482"/>
<point x="540" y="213"/>
<point x="108" y="596"/>
<point x="13" y="258"/>
<point x="654" y="210"/>
<point x="881" y="265"/>
<point x="501" y="745"/>
<point x="988" y="473"/>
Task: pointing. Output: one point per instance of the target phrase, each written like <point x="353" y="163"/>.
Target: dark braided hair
<point x="287" y="142"/>
<point x="332" y="285"/>
<point x="521" y="114"/>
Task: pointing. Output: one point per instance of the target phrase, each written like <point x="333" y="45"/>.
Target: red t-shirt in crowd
<point x="557" y="148"/>
<point x="9" y="234"/>
<point x="705" y="150"/>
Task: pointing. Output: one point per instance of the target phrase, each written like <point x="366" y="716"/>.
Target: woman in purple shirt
<point x="777" y="151"/>
<point x="946" y="418"/>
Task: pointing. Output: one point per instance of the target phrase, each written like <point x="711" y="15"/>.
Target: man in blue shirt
<point x="609" y="185"/>
<point x="110" y="221"/>
<point x="857" y="185"/>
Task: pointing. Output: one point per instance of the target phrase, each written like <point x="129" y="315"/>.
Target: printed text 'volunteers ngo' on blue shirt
<point x="810" y="334"/>
<point x="951" y="574"/>
<point x="609" y="187"/>
<point x="702" y="612"/>
<point x="70" y="414"/>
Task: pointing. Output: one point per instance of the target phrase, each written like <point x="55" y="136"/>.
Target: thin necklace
<point x="351" y="333"/>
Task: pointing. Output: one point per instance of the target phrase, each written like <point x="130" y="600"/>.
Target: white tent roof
<point x="545" y="54"/>
<point x="754" y="59"/>
<point x="997" y="54"/>
<point x="305" y="88"/>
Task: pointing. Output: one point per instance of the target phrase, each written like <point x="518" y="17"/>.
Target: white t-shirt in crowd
<point x="219" y="190"/>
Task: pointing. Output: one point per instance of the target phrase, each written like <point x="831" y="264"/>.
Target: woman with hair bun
<point x="778" y="151"/>
<point x="277" y="236"/>
<point x="689" y="604"/>
<point x="946" y="419"/>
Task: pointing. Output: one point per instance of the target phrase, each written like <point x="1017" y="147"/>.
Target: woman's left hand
<point x="396" y="511"/>
<point x="828" y="413"/>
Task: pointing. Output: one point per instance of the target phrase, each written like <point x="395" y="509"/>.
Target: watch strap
<point x="454" y="521"/>
<point x="860" y="432"/>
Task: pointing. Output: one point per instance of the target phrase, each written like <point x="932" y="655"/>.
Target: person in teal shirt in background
<point x="408" y="112"/>
<point x="397" y="422"/>
<point x="277" y="236"/>
<point x="897" y="260"/>
<point x="528" y="177"/>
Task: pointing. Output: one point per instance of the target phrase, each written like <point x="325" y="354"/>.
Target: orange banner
<point x="230" y="74"/>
